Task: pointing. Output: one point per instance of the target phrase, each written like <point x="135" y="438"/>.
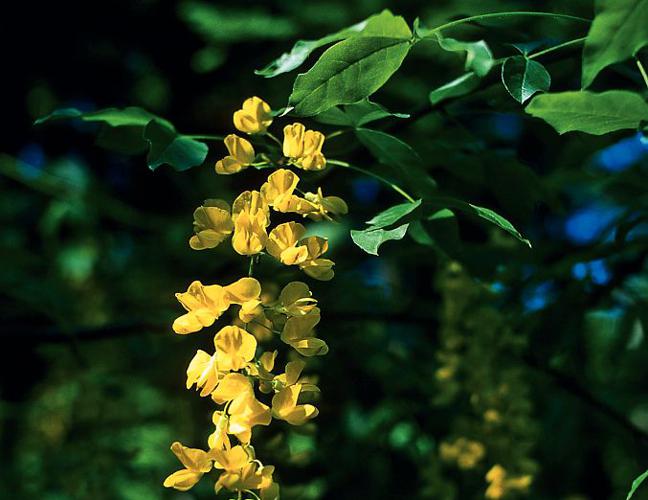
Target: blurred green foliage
<point x="456" y="331"/>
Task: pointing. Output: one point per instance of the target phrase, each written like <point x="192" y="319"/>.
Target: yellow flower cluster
<point x="236" y="374"/>
<point x="464" y="452"/>
<point x="501" y="484"/>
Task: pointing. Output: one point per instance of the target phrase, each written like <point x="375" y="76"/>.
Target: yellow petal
<point x="243" y="290"/>
<point x="212" y="224"/>
<point x="284" y="236"/>
<point x="280" y="184"/>
<point x="319" y="269"/>
<point x="240" y="149"/>
<point x="230" y="460"/>
<point x="300" y="327"/>
<point x="250" y="310"/>
<point x="251" y="202"/>
<point x="229" y="165"/>
<point x="254" y="117"/>
<point x="193" y="459"/>
<point x="182" y="480"/>
<point x="285" y="407"/>
<point x="293" y="143"/>
<point x="235" y="347"/>
<point x="203" y="371"/>
<point x="250" y="234"/>
<point x="310" y="347"/>
<point x="296" y="299"/>
<point x="293" y="255"/>
<point x="230" y="387"/>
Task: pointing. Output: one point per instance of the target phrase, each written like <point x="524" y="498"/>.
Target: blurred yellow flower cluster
<point x="502" y="484"/>
<point x="237" y="373"/>
<point x="464" y="452"/>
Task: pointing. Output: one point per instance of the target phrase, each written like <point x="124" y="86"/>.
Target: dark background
<point x="93" y="246"/>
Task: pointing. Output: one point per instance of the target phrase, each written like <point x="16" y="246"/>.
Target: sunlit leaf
<point x="169" y="147"/>
<point x="479" y="57"/>
<point x="371" y="239"/>
<point x="636" y="483"/>
<point x="456" y="88"/>
<point x="356" y="114"/>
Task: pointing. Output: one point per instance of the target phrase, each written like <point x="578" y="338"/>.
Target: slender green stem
<point x="568" y="43"/>
<point x="387" y="182"/>
<point x="642" y="70"/>
<point x="253" y="494"/>
<point x="274" y="139"/>
<point x="481" y="17"/>
<point x="336" y="133"/>
<point x="251" y="268"/>
<point x="206" y="137"/>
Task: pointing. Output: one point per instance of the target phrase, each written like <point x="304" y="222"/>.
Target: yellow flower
<point x="205" y="304"/>
<point x="251" y="217"/>
<point x="196" y="462"/>
<point x="285" y="407"/>
<point x="501" y="484"/>
<point x="230" y="387"/>
<point x="254" y="118"/>
<point x="279" y="190"/>
<point x="203" y="371"/>
<point x="325" y="206"/>
<point x="296" y="299"/>
<point x="212" y="224"/>
<point x="234" y="347"/>
<point x="245" y="411"/>
<point x="466" y="453"/>
<point x="241" y="155"/>
<point x="313" y="265"/>
<point x="304" y="147"/>
<point x="241" y="472"/>
<point x="298" y="333"/>
<point x="282" y="243"/>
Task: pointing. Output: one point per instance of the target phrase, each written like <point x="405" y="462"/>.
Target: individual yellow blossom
<point x="492" y="416"/>
<point x="230" y="387"/>
<point x="234" y="347"/>
<point x="292" y="376"/>
<point x="285" y="406"/>
<point x="313" y="265"/>
<point x="196" y="462"/>
<point x="212" y="224"/>
<point x="203" y="371"/>
<point x="250" y="310"/>
<point x="206" y="303"/>
<point x="241" y="472"/>
<point x="500" y="484"/>
<point x="304" y="147"/>
<point x="466" y="453"/>
<point x="250" y="214"/>
<point x="298" y="333"/>
<point x="282" y="243"/>
<point x="325" y="207"/>
<point x="255" y="116"/>
<point x="245" y="411"/>
<point x="241" y="155"/>
<point x="296" y="299"/>
<point x="279" y="190"/>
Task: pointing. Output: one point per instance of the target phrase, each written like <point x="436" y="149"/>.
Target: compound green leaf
<point x="590" y="112"/>
<point x="522" y="77"/>
<point x="618" y="31"/>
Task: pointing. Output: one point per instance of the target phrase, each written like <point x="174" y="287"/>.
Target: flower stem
<point x="251" y="268"/>
<point x="642" y="70"/>
<point x="253" y="494"/>
<point x="274" y="139"/>
<point x="568" y="43"/>
<point x="387" y="182"/>
<point x="336" y="133"/>
<point x="206" y="137"/>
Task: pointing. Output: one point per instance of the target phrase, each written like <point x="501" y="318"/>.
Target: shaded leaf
<point x="590" y="112"/>
<point x="131" y="116"/>
<point x="371" y="239"/>
<point x="636" y="483"/>
<point x="617" y="33"/>
<point x="169" y="147"/>
<point x="356" y="114"/>
<point x="523" y="77"/>
<point x="456" y="88"/>
<point x="479" y="57"/>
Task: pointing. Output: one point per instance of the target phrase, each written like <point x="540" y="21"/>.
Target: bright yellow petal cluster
<point x="206" y="303"/>
<point x="255" y="116"/>
<point x="285" y="243"/>
<point x="231" y="375"/>
<point x="501" y="483"/>
<point x="304" y="147"/>
<point x="241" y="155"/>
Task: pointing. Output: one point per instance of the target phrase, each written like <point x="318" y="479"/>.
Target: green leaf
<point x="371" y="239"/>
<point x="636" y="483"/>
<point x="393" y="214"/>
<point x="169" y="147"/>
<point x="456" y="88"/>
<point x="131" y="116"/>
<point x="481" y="212"/>
<point x="289" y="61"/>
<point x="398" y="155"/>
<point x="479" y="57"/>
<point x="356" y="114"/>
<point x="523" y="77"/>
<point x="617" y="33"/>
<point x="354" y="68"/>
<point x="589" y="112"/>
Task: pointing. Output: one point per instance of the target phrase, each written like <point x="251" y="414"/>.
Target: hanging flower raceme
<point x="239" y="380"/>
